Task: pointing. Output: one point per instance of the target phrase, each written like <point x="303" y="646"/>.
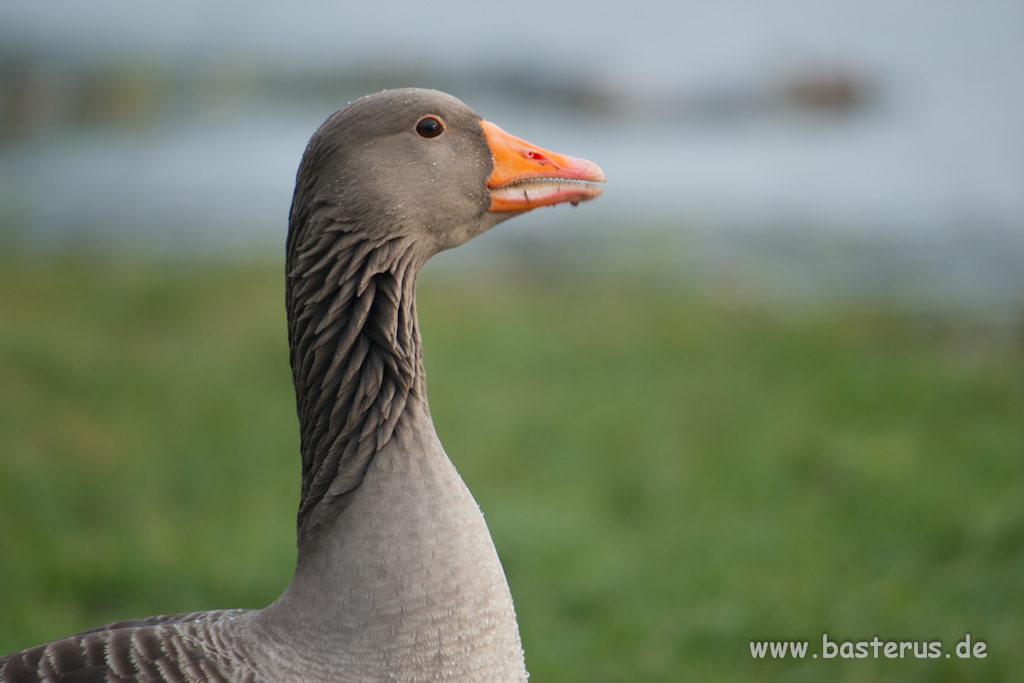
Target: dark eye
<point x="429" y="127"/>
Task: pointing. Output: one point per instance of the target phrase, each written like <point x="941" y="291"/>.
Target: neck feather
<point x="355" y="353"/>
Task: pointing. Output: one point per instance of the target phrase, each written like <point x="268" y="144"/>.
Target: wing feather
<point x="175" y="648"/>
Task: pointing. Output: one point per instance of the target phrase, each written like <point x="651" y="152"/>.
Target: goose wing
<point x="176" y="648"/>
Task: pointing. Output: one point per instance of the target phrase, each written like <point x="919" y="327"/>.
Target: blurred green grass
<point x="668" y="473"/>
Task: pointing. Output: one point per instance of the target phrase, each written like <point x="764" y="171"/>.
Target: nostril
<point x="536" y="156"/>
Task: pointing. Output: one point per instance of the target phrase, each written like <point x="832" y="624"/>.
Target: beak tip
<point x="593" y="173"/>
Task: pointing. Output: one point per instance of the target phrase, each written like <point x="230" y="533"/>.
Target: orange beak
<point x="526" y="176"/>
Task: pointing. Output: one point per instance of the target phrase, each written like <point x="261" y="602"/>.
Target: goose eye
<point x="429" y="127"/>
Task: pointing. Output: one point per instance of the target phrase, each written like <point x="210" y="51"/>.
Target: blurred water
<point x="673" y="100"/>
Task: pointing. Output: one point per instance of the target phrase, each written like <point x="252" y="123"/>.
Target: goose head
<point x="421" y="164"/>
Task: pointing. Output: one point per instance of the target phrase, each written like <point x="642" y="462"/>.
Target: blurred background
<point x="771" y="384"/>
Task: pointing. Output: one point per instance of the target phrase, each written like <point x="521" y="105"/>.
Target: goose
<point x="397" y="578"/>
